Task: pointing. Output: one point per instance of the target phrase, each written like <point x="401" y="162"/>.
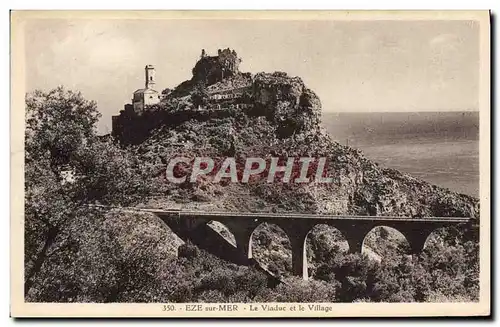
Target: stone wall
<point x="130" y="128"/>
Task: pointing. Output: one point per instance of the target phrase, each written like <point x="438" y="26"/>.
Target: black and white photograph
<point x="250" y="164"/>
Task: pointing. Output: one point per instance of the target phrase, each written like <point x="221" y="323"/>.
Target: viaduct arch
<point x="297" y="227"/>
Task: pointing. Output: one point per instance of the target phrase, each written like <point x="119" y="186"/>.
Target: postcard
<point x="250" y="163"/>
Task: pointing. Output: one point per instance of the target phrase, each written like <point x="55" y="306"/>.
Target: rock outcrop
<point x="287" y="102"/>
<point x="213" y="69"/>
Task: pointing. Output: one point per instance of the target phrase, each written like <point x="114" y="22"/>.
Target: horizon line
<point x="397" y="112"/>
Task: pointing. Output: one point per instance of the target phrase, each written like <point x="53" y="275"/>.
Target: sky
<point x="353" y="66"/>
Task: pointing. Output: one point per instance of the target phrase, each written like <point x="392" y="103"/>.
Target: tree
<point x="58" y="123"/>
<point x="61" y="136"/>
<point x="199" y="96"/>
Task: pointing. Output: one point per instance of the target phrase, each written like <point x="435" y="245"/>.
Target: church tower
<point x="147" y="96"/>
<point x="150" y="77"/>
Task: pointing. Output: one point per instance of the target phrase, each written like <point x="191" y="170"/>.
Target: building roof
<point x="145" y="90"/>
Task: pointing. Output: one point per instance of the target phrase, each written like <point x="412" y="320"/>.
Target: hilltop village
<point x="216" y="89"/>
<point x="216" y="84"/>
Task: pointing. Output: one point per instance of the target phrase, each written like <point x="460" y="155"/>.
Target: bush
<point x="188" y="251"/>
<point x="298" y="290"/>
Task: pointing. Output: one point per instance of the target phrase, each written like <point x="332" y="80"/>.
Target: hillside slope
<point x="278" y="116"/>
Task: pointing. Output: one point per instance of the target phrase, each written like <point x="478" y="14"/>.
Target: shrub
<point x="188" y="251"/>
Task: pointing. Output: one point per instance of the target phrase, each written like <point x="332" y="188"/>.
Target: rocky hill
<point x="275" y="115"/>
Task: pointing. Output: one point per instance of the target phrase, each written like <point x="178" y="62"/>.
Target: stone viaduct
<point x="297" y="226"/>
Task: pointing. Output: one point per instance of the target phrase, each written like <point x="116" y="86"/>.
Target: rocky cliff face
<point x="281" y="118"/>
<point x="287" y="102"/>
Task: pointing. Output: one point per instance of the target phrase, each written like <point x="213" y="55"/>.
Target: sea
<point x="439" y="147"/>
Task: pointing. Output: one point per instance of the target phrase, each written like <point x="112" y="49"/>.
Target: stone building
<point x="213" y="69"/>
<point x="148" y="95"/>
<point x="128" y="122"/>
